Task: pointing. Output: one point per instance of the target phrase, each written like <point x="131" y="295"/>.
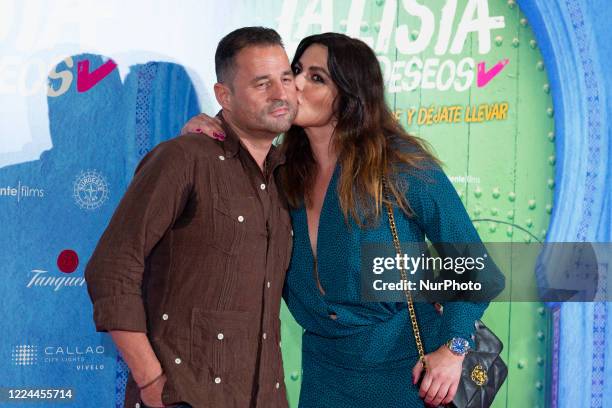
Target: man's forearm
<point x="137" y="352"/>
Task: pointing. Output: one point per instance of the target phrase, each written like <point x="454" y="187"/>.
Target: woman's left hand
<point x="442" y="376"/>
<point x="208" y="125"/>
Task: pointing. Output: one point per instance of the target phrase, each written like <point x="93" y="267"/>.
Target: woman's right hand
<point x="442" y="377"/>
<point x="206" y="125"/>
<point x="151" y="395"/>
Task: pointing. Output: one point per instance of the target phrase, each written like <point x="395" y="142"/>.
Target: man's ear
<point x="224" y="95"/>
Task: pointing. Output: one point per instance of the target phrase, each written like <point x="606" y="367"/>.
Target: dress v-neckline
<point x="314" y="254"/>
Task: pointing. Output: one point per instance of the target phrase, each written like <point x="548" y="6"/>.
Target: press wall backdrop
<point x="498" y="88"/>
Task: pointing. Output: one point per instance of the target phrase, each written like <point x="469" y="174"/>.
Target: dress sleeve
<point x="446" y="223"/>
<point x="154" y="199"/>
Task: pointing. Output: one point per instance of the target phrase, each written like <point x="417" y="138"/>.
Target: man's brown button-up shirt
<point x="195" y="256"/>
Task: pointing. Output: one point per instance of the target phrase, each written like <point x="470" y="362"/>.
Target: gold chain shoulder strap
<point x="398" y="250"/>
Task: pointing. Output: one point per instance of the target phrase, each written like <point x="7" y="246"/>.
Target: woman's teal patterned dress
<point x="364" y="357"/>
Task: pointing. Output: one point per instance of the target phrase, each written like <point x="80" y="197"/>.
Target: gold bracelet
<point x="151" y="382"/>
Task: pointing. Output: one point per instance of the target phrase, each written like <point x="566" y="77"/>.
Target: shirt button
<point x="240" y="218"/>
<point x="137" y="405"/>
<point x="164" y="317"/>
<point x="277" y="386"/>
<point x="268" y="284"/>
<point x="262" y="186"/>
<point x="221" y="158"/>
<point x="217" y="380"/>
<point x="177" y="360"/>
<point x="220" y="336"/>
<point x="265" y="336"/>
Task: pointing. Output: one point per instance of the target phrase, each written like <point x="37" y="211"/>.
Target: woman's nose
<point x="299" y="82"/>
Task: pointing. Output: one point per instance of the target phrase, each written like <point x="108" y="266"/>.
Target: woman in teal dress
<point x="356" y="353"/>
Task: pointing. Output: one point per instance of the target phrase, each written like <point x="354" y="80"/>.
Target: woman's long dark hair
<point x="368" y="139"/>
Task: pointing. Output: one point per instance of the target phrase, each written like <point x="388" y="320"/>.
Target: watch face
<point x="459" y="345"/>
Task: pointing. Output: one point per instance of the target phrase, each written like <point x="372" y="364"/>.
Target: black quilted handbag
<point x="483" y="371"/>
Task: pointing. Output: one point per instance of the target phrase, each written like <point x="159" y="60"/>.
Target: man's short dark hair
<point x="237" y="40"/>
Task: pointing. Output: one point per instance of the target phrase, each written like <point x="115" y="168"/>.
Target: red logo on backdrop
<point x="67" y="261"/>
<point x="87" y="80"/>
<point x="485" y="76"/>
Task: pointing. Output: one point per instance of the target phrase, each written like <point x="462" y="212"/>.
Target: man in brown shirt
<point x="188" y="276"/>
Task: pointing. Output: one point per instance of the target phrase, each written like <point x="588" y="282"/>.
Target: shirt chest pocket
<point x="231" y="219"/>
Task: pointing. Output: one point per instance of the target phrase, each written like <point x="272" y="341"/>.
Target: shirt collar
<point x="231" y="143"/>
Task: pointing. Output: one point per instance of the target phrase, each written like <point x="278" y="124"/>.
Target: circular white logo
<point x="90" y="190"/>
